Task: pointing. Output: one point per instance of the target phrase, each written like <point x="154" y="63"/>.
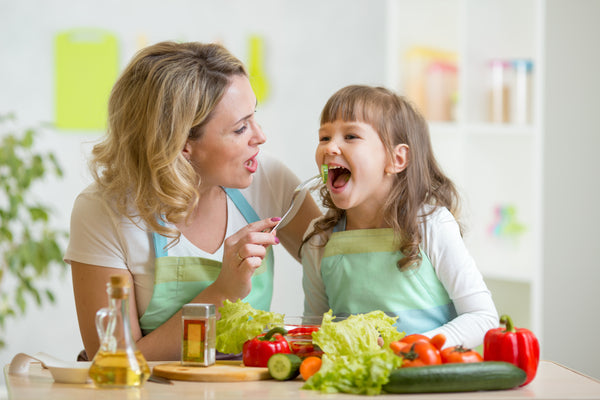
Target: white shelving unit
<point x="497" y="166"/>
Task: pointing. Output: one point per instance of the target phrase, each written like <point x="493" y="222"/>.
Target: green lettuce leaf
<point x="356" y="334"/>
<point x="362" y="373"/>
<point x="354" y="361"/>
<point x="240" y="322"/>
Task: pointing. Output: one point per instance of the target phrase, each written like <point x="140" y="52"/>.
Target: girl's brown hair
<point x="396" y="121"/>
<point x="163" y="98"/>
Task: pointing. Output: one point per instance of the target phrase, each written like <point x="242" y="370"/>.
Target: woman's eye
<point x="242" y="129"/>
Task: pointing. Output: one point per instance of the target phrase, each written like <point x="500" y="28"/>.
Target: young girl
<point x="390" y="240"/>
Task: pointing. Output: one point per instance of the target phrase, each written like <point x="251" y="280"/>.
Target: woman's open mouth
<point x="251" y="164"/>
<point x="338" y="176"/>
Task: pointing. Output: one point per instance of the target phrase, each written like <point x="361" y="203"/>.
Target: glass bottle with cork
<point x="117" y="363"/>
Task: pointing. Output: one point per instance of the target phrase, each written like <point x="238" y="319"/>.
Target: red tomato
<point x="459" y="354"/>
<point x="421" y="353"/>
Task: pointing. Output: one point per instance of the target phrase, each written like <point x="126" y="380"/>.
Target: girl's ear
<point x="399" y="161"/>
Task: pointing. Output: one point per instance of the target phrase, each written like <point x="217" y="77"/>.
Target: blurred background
<point x="509" y="87"/>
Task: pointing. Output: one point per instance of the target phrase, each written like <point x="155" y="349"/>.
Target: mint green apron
<point x="177" y="280"/>
<point x="360" y="275"/>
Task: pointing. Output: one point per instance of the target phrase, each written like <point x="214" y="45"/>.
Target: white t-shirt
<point x="453" y="265"/>
<point x="100" y="236"/>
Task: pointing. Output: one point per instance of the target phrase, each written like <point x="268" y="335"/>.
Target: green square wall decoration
<point x="86" y="68"/>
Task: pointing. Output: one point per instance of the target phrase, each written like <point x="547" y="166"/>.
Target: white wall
<point x="571" y="190"/>
<point x="312" y="47"/>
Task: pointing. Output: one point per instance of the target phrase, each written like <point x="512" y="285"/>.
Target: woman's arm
<point x="89" y="288"/>
<point x="164" y="343"/>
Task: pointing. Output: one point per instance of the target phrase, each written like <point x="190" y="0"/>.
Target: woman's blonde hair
<point x="396" y="121"/>
<point x="163" y="98"/>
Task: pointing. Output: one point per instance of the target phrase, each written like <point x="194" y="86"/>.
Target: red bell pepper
<point x="518" y="346"/>
<point x="257" y="351"/>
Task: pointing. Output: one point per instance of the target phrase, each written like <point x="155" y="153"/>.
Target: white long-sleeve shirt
<point x="453" y="265"/>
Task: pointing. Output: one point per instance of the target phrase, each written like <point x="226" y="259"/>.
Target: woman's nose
<point x="258" y="136"/>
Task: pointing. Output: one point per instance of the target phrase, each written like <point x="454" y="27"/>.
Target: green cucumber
<point x="284" y="366"/>
<point x="455" y="377"/>
<point x="324" y="172"/>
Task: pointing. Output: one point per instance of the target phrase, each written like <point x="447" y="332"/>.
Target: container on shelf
<point x="521" y="112"/>
<point x="430" y="81"/>
<point x="441" y="91"/>
<point x="499" y="91"/>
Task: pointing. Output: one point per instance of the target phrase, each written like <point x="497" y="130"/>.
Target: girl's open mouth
<point x="338" y="176"/>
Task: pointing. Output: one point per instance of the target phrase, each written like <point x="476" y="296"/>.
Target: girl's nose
<point x="331" y="147"/>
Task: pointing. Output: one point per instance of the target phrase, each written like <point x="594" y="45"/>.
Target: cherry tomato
<point x="420" y="353"/>
<point x="459" y="354"/>
<point x="415" y="337"/>
<point x="399" y="346"/>
<point x="438" y="340"/>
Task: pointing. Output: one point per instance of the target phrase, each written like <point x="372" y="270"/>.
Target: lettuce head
<point x="240" y="322"/>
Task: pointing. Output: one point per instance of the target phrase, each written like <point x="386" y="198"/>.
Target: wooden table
<point x="553" y="381"/>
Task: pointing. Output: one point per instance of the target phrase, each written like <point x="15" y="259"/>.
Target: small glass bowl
<point x="299" y="335"/>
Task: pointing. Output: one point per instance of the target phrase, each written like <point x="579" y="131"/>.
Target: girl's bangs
<point x="349" y="108"/>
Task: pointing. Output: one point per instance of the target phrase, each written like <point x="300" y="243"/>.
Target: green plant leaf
<point x="38" y="213"/>
<point x="50" y="296"/>
<point x="29" y="247"/>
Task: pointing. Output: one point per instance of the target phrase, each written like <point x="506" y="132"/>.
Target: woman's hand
<point x="243" y="253"/>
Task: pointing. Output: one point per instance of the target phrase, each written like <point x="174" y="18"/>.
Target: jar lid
<point x="198" y="310"/>
<point x="118" y="281"/>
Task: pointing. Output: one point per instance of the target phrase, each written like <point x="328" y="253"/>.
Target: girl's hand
<point x="243" y="253"/>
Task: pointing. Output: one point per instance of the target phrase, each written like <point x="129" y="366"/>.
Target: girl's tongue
<point x="340" y="176"/>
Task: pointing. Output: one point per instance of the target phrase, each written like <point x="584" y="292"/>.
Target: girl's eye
<point x="324" y="139"/>
<point x="350" y="136"/>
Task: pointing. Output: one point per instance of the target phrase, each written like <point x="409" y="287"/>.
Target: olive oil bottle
<point x="117" y="363"/>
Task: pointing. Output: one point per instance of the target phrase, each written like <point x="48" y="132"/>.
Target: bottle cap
<point x="198" y="310"/>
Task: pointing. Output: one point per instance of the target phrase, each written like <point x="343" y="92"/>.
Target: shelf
<point x="495" y="166"/>
<point x="506" y="130"/>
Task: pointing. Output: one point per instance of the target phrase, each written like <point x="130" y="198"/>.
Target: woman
<point x="181" y="129"/>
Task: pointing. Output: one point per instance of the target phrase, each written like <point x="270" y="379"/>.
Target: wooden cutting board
<point x="222" y="371"/>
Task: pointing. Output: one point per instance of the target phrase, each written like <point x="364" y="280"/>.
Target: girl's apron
<point x="360" y="275"/>
<point x="177" y="280"/>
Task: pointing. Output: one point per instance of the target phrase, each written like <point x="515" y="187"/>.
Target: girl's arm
<point x="458" y="272"/>
<point x="315" y="297"/>
<point x="292" y="233"/>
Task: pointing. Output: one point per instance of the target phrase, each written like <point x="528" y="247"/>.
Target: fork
<point x="306" y="185"/>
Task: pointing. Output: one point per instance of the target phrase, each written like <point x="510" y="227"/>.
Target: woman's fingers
<point x="250" y="250"/>
<point x="244" y="242"/>
<point x="264" y="225"/>
<point x="244" y="252"/>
